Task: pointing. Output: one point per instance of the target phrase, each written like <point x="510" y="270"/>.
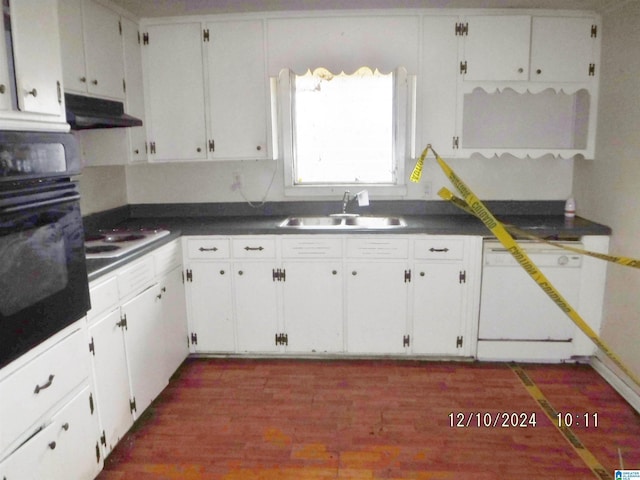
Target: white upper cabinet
<point x="174" y="89"/>
<point x="496" y="48"/>
<point x="36" y="51"/>
<point x="562" y="49"/>
<point x="509" y="48"/>
<point x="92" y="49"/>
<point x="238" y="89"/>
<point x="5" y="77"/>
<point x="134" y="89"/>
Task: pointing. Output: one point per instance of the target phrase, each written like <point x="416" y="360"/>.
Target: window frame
<point x="403" y="139"/>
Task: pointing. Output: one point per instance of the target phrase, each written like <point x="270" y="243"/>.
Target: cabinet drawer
<point x="168" y="257"/>
<point x="311" y="248"/>
<point x="439" y="249"/>
<point x="136" y="277"/>
<point x="104" y="297"/>
<point x="27" y="394"/>
<point x="208" y="248"/>
<point x="254" y="247"/>
<point x="377" y="248"/>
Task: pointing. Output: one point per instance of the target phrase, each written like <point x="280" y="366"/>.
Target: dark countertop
<point x="545" y="220"/>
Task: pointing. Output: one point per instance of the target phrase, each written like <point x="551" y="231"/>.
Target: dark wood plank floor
<point x="308" y="419"/>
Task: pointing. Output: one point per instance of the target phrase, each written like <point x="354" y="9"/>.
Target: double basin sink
<point x="343" y="222"/>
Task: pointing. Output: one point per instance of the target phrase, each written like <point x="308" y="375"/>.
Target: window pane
<point x="343" y="128"/>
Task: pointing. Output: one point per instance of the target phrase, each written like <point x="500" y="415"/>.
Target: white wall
<point x="492" y="179"/>
<point x="608" y="189"/>
<point x="102" y="188"/>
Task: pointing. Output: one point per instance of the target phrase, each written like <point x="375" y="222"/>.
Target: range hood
<point x="86" y="112"/>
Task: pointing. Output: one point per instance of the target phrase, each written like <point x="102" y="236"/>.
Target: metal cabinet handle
<point x="46" y="385"/>
<point x="258" y="148"/>
<point x="520" y="70"/>
<point x="248" y="248"/>
<point x="221" y="272"/>
<point x="83" y="79"/>
<point x="3" y="88"/>
<point x="354" y="273"/>
<point x="213" y="249"/>
<point x="65" y="426"/>
<point x="334" y="272"/>
<point x="439" y="249"/>
<point x="52" y="445"/>
<point x="240" y="272"/>
<point x="94" y="81"/>
<point x="538" y="71"/>
<point x="33" y="92"/>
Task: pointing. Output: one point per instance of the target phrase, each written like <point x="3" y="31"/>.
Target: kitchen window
<point x="342" y="130"/>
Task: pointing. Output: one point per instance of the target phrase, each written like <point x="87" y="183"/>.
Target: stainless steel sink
<point x="339" y="222"/>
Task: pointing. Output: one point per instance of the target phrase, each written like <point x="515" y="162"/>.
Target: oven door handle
<point x="43" y="203"/>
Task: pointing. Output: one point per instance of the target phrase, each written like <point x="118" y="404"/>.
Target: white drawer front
<point x="254" y="247"/>
<point x="377" y="248"/>
<point x="104" y="297"/>
<point x="137" y="277"/>
<point x="439" y="249"/>
<point x="34" y="389"/>
<point x="208" y="248"/>
<point x="168" y="257"/>
<point x="311" y="247"/>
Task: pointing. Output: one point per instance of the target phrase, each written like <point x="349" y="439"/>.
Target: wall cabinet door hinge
<point x="282" y="339"/>
<point x="456" y="143"/>
<point x="120" y="27"/>
<point x="145" y="38"/>
<point x="279" y="274"/>
<point x="123" y="322"/>
<point x="189" y="273"/>
<point x="59" y="89"/>
<point x="594" y="31"/>
<point x="463" y="276"/>
<point x="459" y="342"/>
<point x="205" y="35"/>
<point x="92" y="347"/>
<point x="406" y="341"/>
<point x="463" y="67"/>
<point x="124" y="86"/>
<point x="194" y="339"/>
<point x="103" y="438"/>
<point x="152" y="147"/>
<point x="592" y="69"/>
<point x="212" y="145"/>
<point x="97" y="453"/>
<point x="407" y="276"/>
<point x="91" y="406"/>
<point x="462" y="29"/>
<point x="132" y="405"/>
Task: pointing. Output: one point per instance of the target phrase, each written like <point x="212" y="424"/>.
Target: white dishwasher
<point x="514" y="307"/>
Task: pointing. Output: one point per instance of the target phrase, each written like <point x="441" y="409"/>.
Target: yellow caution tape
<point x="501" y="233"/>
<point x="587" y="457"/>
<point x="626" y="261"/>
<point x="416" y="175"/>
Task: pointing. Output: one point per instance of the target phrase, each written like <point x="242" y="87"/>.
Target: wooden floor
<point x="307" y="419"/>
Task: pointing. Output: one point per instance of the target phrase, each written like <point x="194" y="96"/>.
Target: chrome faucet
<point x="362" y="197"/>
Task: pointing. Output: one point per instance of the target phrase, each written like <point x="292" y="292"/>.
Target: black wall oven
<point x="43" y="273"/>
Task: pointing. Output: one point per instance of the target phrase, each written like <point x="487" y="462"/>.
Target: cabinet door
<point x="256" y="306"/>
<point x="237" y="89"/>
<point x="439" y="91"/>
<point x="313" y="306"/>
<point x="174" y="316"/>
<point x="103" y="47"/>
<point x="175" y="92"/>
<point x="437" y="309"/>
<point x="497" y="48"/>
<point x="134" y="89"/>
<point x="64" y="449"/>
<point x="72" y="45"/>
<point x="562" y="49"/>
<point x="5" y="77"/>
<point x="144" y="341"/>
<point x="376" y="307"/>
<point x="36" y="48"/>
<point x="111" y="378"/>
<point x="210" y="297"/>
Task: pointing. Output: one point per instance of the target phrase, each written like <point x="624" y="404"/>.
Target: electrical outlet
<point x="237" y="181"/>
<point x="427" y="189"/>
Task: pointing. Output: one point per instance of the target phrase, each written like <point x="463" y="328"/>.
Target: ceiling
<point x="163" y="8"/>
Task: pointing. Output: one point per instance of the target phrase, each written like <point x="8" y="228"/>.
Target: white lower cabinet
<point x="64" y="449"/>
<point x="47" y="412"/>
<point x="111" y="379"/>
<point x="332" y="294"/>
<point x="377" y="296"/>
<point x="313" y="306"/>
<point x="137" y="336"/>
<point x="256" y="306"/>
